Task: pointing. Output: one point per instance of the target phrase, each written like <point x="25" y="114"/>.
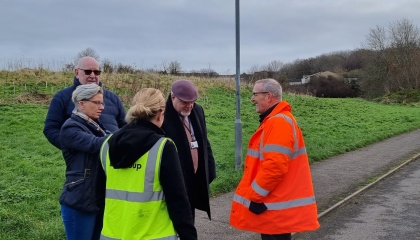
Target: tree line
<point x="389" y="61"/>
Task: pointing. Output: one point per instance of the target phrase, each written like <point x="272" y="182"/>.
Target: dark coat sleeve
<point x="74" y="136"/>
<point x="173" y="186"/>
<point x="211" y="161"/>
<point x="119" y="112"/>
<point x="55" y="119"/>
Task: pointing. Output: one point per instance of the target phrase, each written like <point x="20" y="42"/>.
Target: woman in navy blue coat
<point x="83" y="196"/>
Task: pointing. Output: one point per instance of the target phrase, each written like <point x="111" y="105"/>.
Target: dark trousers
<point x="285" y="236"/>
<point x="193" y="213"/>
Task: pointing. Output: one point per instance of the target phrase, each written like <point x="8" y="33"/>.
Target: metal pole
<point x="238" y="123"/>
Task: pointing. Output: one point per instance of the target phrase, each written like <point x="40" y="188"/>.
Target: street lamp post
<point x="238" y="123"/>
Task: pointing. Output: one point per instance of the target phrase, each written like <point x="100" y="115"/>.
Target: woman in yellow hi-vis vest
<point x="145" y="192"/>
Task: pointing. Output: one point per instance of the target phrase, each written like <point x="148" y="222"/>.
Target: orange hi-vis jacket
<point x="277" y="173"/>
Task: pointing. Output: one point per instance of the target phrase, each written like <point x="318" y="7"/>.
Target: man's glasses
<point x="88" y="71"/>
<point x="185" y="103"/>
<point x="98" y="103"/>
<point x="256" y="93"/>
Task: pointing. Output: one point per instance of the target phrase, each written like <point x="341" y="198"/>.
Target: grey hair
<point x="85" y="91"/>
<point x="272" y="86"/>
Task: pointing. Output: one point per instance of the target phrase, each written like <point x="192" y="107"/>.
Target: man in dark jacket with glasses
<point x="86" y="72"/>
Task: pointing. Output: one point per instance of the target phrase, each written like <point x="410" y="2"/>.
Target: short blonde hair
<point x="145" y="105"/>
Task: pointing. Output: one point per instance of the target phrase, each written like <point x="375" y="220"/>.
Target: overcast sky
<point x="199" y="34"/>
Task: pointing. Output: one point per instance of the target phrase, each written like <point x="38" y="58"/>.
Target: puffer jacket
<point x="84" y="187"/>
<point x="61" y="107"/>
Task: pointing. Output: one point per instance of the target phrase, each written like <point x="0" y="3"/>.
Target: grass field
<point x="32" y="170"/>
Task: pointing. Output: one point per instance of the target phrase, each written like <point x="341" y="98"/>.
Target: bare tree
<point x="274" y="66"/>
<point x="394" y="63"/>
<point x="377" y="39"/>
<point x="405" y="43"/>
<point x="107" y="66"/>
<point x="88" y="52"/>
<point x="164" y="67"/>
<point x="174" y="67"/>
<point x="253" y="69"/>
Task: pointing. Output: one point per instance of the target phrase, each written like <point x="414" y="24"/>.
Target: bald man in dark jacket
<point x="181" y="104"/>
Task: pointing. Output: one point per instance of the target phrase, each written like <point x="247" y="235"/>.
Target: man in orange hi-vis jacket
<point x="275" y="196"/>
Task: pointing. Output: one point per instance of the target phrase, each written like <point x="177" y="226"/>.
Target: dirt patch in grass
<point x="36" y="98"/>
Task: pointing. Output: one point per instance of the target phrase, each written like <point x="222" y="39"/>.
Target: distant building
<point x="326" y="74"/>
<point x="295" y="81"/>
<point x="307" y="78"/>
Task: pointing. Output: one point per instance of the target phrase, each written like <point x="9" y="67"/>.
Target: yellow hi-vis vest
<point x="135" y="206"/>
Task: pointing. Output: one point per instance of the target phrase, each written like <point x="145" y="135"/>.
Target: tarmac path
<point x="389" y="210"/>
<point x="334" y="179"/>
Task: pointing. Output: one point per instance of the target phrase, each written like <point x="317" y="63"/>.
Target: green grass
<point x="330" y="126"/>
<point x="31" y="176"/>
<point x="32" y="170"/>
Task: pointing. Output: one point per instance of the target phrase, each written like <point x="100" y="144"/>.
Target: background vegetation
<point x="32" y="170"/>
<point x="388" y="61"/>
<point x="336" y="115"/>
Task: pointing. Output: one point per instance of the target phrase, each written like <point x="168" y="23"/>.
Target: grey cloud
<point x="197" y="33"/>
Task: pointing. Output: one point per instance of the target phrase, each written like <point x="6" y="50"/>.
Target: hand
<point x="257" y="208"/>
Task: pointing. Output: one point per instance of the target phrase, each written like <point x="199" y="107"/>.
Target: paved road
<point x="334" y="179"/>
<point x="390" y="210"/>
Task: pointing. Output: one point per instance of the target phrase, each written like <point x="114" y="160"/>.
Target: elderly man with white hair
<point x="185" y="123"/>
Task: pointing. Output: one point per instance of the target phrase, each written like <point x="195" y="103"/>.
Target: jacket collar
<point x="77" y="83"/>
<point x="279" y="107"/>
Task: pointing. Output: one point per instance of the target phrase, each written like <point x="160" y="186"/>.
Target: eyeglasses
<point x="98" y="103"/>
<point x="88" y="71"/>
<point x="256" y="93"/>
<point x="185" y="103"/>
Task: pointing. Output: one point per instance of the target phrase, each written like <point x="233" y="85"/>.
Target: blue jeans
<point x="81" y="225"/>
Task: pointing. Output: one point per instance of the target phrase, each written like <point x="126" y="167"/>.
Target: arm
<point x="121" y="113"/>
<point x="210" y="157"/>
<point x="211" y="161"/>
<point x="56" y="117"/>
<point x="74" y="136"/>
<point x="277" y="144"/>
<point x="173" y="186"/>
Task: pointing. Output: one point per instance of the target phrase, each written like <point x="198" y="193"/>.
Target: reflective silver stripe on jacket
<point x="261" y="191"/>
<point x="276" y="148"/>
<point x="295" y="142"/>
<point x="104" y="152"/>
<point x="164" y="238"/>
<point x="296" y="150"/>
<point x="148" y="194"/>
<point x="253" y="153"/>
<point x="134" y="196"/>
<point x="278" y="205"/>
<point x="151" y="165"/>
